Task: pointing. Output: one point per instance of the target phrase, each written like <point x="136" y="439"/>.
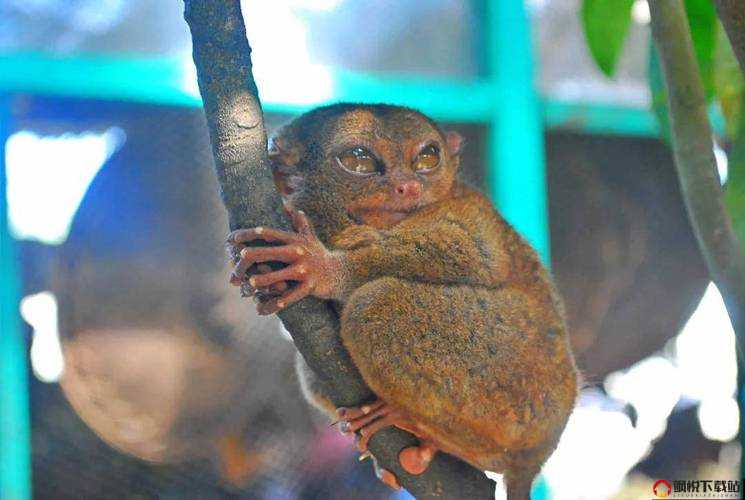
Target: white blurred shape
<point x="537" y="5"/>
<point x="595" y="453"/>
<point x="705" y="351"/>
<point x="722" y="163"/>
<point x="98" y="16"/>
<point x="282" y="65"/>
<point x="719" y="418"/>
<point x="48" y="177"/>
<point x="599" y="447"/>
<point x="500" y="492"/>
<point x="40" y="311"/>
<point x="652" y="387"/>
<point x="640" y="12"/>
<point x="189" y="82"/>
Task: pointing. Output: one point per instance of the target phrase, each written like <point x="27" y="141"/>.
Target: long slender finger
<point x="301" y="223"/>
<point x="251" y="256"/>
<point x="295" y="272"/>
<point x="262" y="233"/>
<point x="279" y="288"/>
<point x="302" y="290"/>
<point x="274" y="289"/>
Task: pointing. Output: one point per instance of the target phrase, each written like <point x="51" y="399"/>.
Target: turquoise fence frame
<point x="15" y="435"/>
<point x="505" y="101"/>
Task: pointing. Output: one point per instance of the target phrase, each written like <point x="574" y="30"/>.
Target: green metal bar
<point x="161" y="81"/>
<point x="516" y="177"/>
<point x="609" y="119"/>
<point x="164" y="81"/>
<point x="15" y="435"/>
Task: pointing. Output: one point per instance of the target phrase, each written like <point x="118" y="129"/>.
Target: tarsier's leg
<point x="445" y="357"/>
<point x="317" y="393"/>
<point x="524" y="466"/>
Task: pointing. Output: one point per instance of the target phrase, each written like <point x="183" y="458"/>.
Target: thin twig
<point x="694" y="159"/>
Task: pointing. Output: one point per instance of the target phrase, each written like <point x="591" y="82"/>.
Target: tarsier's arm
<point x="457" y="242"/>
<point x="444" y="251"/>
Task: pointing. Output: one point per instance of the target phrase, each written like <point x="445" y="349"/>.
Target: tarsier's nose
<point x="409" y="189"/>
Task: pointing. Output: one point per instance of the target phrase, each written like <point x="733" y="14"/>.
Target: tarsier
<point x="445" y="310"/>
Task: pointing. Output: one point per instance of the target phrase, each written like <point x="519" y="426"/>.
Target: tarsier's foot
<point x="369" y="419"/>
<point x="310" y="266"/>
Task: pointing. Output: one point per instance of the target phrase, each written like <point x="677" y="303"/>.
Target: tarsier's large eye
<point x="427" y="159"/>
<point x="358" y="161"/>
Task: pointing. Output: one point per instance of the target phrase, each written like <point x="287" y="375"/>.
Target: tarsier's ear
<point x="284" y="156"/>
<point x="455" y="142"/>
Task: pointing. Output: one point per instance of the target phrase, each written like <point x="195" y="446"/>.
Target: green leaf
<point x="734" y="194"/>
<point x="729" y="84"/>
<point x="605" y="24"/>
<point x="658" y="91"/>
<point x="702" y="18"/>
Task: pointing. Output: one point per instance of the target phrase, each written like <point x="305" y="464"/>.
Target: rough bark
<point x="234" y="117"/>
<point x="694" y="159"/>
<point x="732" y="15"/>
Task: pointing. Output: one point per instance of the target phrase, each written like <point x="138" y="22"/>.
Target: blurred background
<point x="130" y="369"/>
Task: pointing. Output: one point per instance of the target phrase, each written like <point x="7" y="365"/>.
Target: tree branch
<point x="732" y="15"/>
<point x="235" y="120"/>
<point x="694" y="158"/>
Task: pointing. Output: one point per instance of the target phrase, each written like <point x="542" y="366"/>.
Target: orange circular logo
<point x="662" y="489"/>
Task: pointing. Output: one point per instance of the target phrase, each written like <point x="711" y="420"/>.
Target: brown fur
<point x="445" y="309"/>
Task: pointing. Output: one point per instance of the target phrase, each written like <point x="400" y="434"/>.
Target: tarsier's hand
<point x="312" y="268"/>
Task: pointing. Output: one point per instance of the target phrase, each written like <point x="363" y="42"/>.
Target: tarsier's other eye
<point x="427" y="159"/>
<point x="358" y="161"/>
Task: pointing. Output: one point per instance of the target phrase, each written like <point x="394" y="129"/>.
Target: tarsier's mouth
<point x="381" y="217"/>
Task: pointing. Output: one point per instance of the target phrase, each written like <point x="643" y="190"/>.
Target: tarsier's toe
<point x="388" y="477"/>
<point x="416" y="459"/>
<point x="353" y="412"/>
